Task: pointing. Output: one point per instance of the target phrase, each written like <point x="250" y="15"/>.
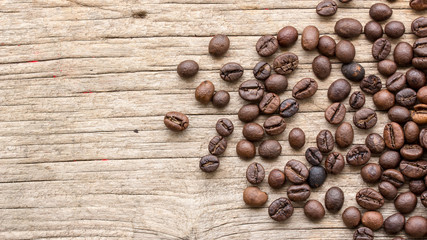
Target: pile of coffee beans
<point x="400" y="147"/>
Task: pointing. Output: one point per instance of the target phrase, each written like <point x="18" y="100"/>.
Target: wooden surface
<point x="84" y="86"/>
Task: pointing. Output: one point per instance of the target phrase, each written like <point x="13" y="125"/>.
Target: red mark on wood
<point x="87" y="92"/>
<point x="266" y="9"/>
<point x="104" y="159"/>
<point x="54" y="76"/>
<point x="33" y="61"/>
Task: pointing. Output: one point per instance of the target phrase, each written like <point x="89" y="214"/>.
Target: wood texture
<point x="84" y="86"/>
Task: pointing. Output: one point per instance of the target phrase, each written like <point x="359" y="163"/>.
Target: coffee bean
<point x="262" y="70"/>
<point x="288" y="107"/>
<point x="220" y="99"/>
<point x="296" y="138"/>
<point x="348" y="28"/>
<point x="254" y="197"/>
<point x="381" y="49"/>
<point x="335" y="113"/>
<point x="217" y="145"/>
<point x="394" y="137"/>
<point x="411" y="151"/>
<point x="399" y="114"/>
<point x="420" y="46"/>
<point x="276" y="178"/>
<point x="267" y="45"/>
<point x="245" y="149"/>
<point x="280" y="209"/>
<point x="326" y="46"/>
<point x="269" y="103"/>
<point x="369" y="199"/>
<point x="345" y="51"/>
<point x="373" y="31"/>
<point x="423" y="138"/>
<point x="334" y="199"/>
<point x="387" y="67"/>
<point x="285" y="63"/>
<point x="411" y="131"/>
<point x="394" y="177"/>
<point x="417" y="169"/>
<point x="187" y="69"/>
<point x="406" y="97"/>
<point x="339" y="90"/>
<point x="419" y="114"/>
<point x="305" y="88"/>
<point x="371" y="84"/>
<point x="423" y="198"/>
<point x="316" y="177"/>
<point x="394" y="29"/>
<point x="405" y="202"/>
<point x="353" y="71"/>
<point x="416" y="226"/>
<point x="420" y="62"/>
<point x="396" y="82"/>
<point x="276" y="83"/>
<point x="415" y="78"/>
<point x="287" y="36"/>
<point x="375" y="143"/>
<point x="299" y="193"/>
<point x="389" y="159"/>
<point x="383" y="99"/>
<point x="419" y="27"/>
<point x="363" y="233"/>
<point x="204" y="92"/>
<point x="274" y="125"/>
<point x="321" y="67"/>
<point x="388" y="190"/>
<point x="176" y="121"/>
<point x="371" y="173"/>
<point x="269" y="149"/>
<point x="418" y="5"/>
<point x="255" y="173"/>
<point x="248" y="112"/>
<point x="296" y="171"/>
<point x="403" y="54"/>
<point x="219" y="45"/>
<point x="417" y="186"/>
<point x="209" y="163"/>
<point x="314" y="210"/>
<point x="325" y="141"/>
<point x="358" y="155"/>
<point x="357" y="100"/>
<point x="351" y="217"/>
<point x="344" y="135"/>
<point x="313" y="156"/>
<point x="310" y="38"/>
<point x="334" y="163"/>
<point x="251" y="90"/>
<point x="326" y="8"/>
<point x="365" y="118"/>
<point x="231" y="72"/>
<point x="372" y="220"/>
<point x="224" y="127"/>
<point x="253" y="132"/>
<point x="380" y="12"/>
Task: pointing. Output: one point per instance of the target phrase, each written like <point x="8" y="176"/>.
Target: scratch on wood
<point x="139" y="14"/>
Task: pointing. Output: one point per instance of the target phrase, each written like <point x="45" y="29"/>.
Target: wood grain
<point x="84" y="86"/>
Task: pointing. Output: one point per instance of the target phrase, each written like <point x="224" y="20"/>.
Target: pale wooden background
<point x="77" y="77"/>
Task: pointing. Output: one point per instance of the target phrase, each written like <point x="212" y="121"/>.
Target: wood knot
<point x="139" y="14"/>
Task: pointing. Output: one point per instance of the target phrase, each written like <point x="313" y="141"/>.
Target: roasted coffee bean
<point x="219" y="45"/>
<point x="316" y="177"/>
<point x="209" y="163"/>
<point x="345" y="51"/>
<point x="394" y="177"/>
<point x="280" y="209"/>
<point x="415" y="78"/>
<point x="389" y="159"/>
<point x="335" y="113"/>
<point x="416" y="226"/>
<point x="423" y="138"/>
<point x="296" y="138"/>
<point x="358" y="155"/>
<point x="269" y="103"/>
<point x="254" y="197"/>
<point x="285" y="63"/>
<point x="220" y="99"/>
<point x="251" y="90"/>
<point x="419" y="27"/>
<point x="369" y="199"/>
<point x="339" y="90"/>
<point x="204" y="92"/>
<point x="326" y="8"/>
<point x="393" y="135"/>
<point x="217" y="145"/>
<point x="299" y="193"/>
<point x="406" y="97"/>
<point x="255" y="173"/>
<point x="351" y="217"/>
<point x="419" y="114"/>
<point x="371" y="84"/>
<point x="411" y="131"/>
<point x="423" y="198"/>
<point x="344" y="135"/>
<point x="287" y="36"/>
<point x="270" y="149"/>
<point x="176" y="121"/>
<point x="310" y="38"/>
<point x="419" y="47"/>
<point x="363" y="233"/>
<point x="417" y="186"/>
<point x="372" y="220"/>
<point x="399" y="114"/>
<point x="321" y="67"/>
<point x="403" y="54"/>
<point x="394" y="29"/>
<point x="388" y="190"/>
<point x="375" y="143"/>
<point x="373" y="31"/>
<point x="387" y="67"/>
<point x="381" y="49"/>
<point x="422" y="95"/>
<point x="380" y="12"/>
<point x="187" y="68"/>
<point x="245" y="149"/>
<point x="253" y="132"/>
<point x="417" y="169"/>
<point x="411" y="152"/>
<point x="396" y="82"/>
<point x="353" y="71"/>
<point x="383" y="99"/>
<point x="274" y="125"/>
<point x="348" y="28"/>
<point x="405" y="202"/>
<point x="248" y="112"/>
<point x="262" y="70"/>
<point x="314" y="210"/>
<point x="288" y="107"/>
<point x="313" y="156"/>
<point x="334" y="163"/>
<point x="371" y="173"/>
<point x="305" y="88"/>
<point x="276" y="83"/>
<point x="276" y="178"/>
<point x="325" y="141"/>
<point x="357" y="100"/>
<point x="224" y="127"/>
<point x="326" y="46"/>
<point x="267" y="45"/>
<point x="365" y="118"/>
<point x="231" y="72"/>
<point x="334" y="199"/>
<point x="420" y="63"/>
<point x="418" y="5"/>
<point x="296" y="172"/>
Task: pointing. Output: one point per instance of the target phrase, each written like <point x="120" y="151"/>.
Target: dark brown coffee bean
<point x="339" y="90"/>
<point x="176" y="121"/>
<point x="371" y="84"/>
<point x="357" y="100"/>
<point x="345" y="51"/>
<point x="411" y="131"/>
<point x="411" y="152"/>
<point x="419" y="27"/>
<point x="387" y="67"/>
<point x="418" y="5"/>
<point x="269" y="103"/>
<point x="321" y="67"/>
<point x="363" y="233"/>
<point x="416" y="226"/>
<point x="296" y="171"/>
<point x="325" y="141"/>
<point x="285" y="63"/>
<point x="406" y="97"/>
<point x="296" y="138"/>
<point x="224" y="127"/>
<point x="305" y="88"/>
<point x="423" y="198"/>
<point x="394" y="29"/>
<point x="299" y="193"/>
<point x="420" y="47"/>
<point x="423" y="137"/>
<point x="254" y="197"/>
<point x="280" y="209"/>
<point x="287" y="36"/>
<point x="253" y="132"/>
<point x="389" y="159"/>
<point x="396" y="82"/>
<point x="415" y="78"/>
<point x="344" y="135"/>
<point x="187" y="68"/>
<point x="245" y="149"/>
<point x="288" y="107"/>
<point x="317" y="176"/>
<point x="220" y="99"/>
<point x="267" y="45"/>
<point x="313" y="156"/>
<point x="420" y="63"/>
<point x="219" y="45"/>
<point x="372" y="220"/>
<point x="248" y="112"/>
<point x="394" y="177"/>
<point x="419" y="114"/>
<point x="388" y="190"/>
<point x="381" y="49"/>
<point x="262" y="70"/>
<point x="274" y="125"/>
<point x="217" y="145"/>
<point x="276" y="83"/>
<point x="351" y="217"/>
<point x="393" y="135"/>
<point x="276" y="178"/>
<point x="310" y="38"/>
<point x="326" y="46"/>
<point x="375" y="143"/>
<point x="405" y="202"/>
<point x="383" y="99"/>
<point x="358" y="155"/>
<point x="334" y="199"/>
<point x="417" y="169"/>
<point x="334" y="163"/>
<point x="403" y="54"/>
<point x="369" y="199"/>
<point x="348" y="28"/>
<point x="373" y="31"/>
<point x="380" y="12"/>
<point x="335" y="113"/>
<point x="365" y="118"/>
<point x="417" y="186"/>
<point x="371" y="173"/>
<point x="270" y="149"/>
<point x="204" y="92"/>
<point x="209" y="163"/>
<point x="326" y="8"/>
<point x="314" y="210"/>
<point x="231" y="72"/>
<point x="353" y="71"/>
<point x="399" y="114"/>
<point x="255" y="173"/>
<point x="251" y="90"/>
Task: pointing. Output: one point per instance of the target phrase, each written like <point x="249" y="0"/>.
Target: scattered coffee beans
<point x="348" y="28"/>
<point x="254" y="197"/>
<point x="394" y="29"/>
<point x="314" y="156"/>
<point x="381" y="49"/>
<point x="371" y="173"/>
<point x="387" y="190"/>
<point x="403" y="54"/>
<point x="287" y="36"/>
<point x="288" y="108"/>
<point x="351" y="217"/>
<point x="335" y="113"/>
<point x="373" y="31"/>
<point x="296" y="138"/>
<point x="299" y="193"/>
<point x="224" y="127"/>
<point x="339" y="90"/>
<point x="217" y="145"/>
<point x="369" y="199"/>
<point x="316" y="177"/>
<point x="176" y="121"/>
<point x="375" y="143"/>
<point x="251" y="90"/>
<point x="345" y="51"/>
<point x="353" y="71"/>
<point x="327" y="46"/>
<point x="219" y="45"/>
<point x="220" y="99"/>
<point x="262" y="70"/>
<point x="334" y="163"/>
<point x="357" y="100"/>
<point x="209" y="163"/>
<point x="276" y="178"/>
<point x="245" y="149"/>
<point x="380" y="12"/>
<point x="310" y="38"/>
<point x="274" y="125"/>
<point x="416" y="226"/>
<point x="365" y="118"/>
<point x="405" y="202"/>
<point x="280" y="209"/>
<point x="187" y="68"/>
<point x="326" y="8"/>
<point x="285" y="63"/>
<point x="204" y="92"/>
<point x="321" y="67"/>
<point x="267" y="46"/>
<point x="325" y="141"/>
<point x="248" y="113"/>
<point x="344" y="135"/>
<point x="276" y="83"/>
<point x="358" y="155"/>
<point x="253" y="131"/>
<point x="296" y="172"/>
<point x="305" y="88"/>
<point x="372" y="220"/>
<point x="334" y="199"/>
<point x="387" y="67"/>
<point x="314" y="210"/>
<point x="269" y="149"/>
<point x="255" y="173"/>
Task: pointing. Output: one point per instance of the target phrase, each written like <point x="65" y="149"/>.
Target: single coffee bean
<point x="280" y="209"/>
<point x="393" y="135"/>
<point x="417" y="186"/>
<point x="287" y="36"/>
<point x="217" y="145"/>
<point x="314" y="210"/>
<point x="276" y="178"/>
<point x="406" y="97"/>
<point x="419" y="114"/>
<point x="220" y="99"/>
<point x="387" y="67"/>
<point x="419" y="47"/>
<point x="381" y="49"/>
<point x="388" y="190"/>
<point x="231" y="72"/>
<point x="363" y="233"/>
<point x="394" y="177"/>
<point x="415" y="78"/>
<point x="334" y="199"/>
<point x="334" y="163"/>
<point x="296" y="171"/>
<point x="335" y="113"/>
<point x="394" y="29"/>
<point x="405" y="202"/>
<point x="296" y="138"/>
<point x="344" y="135"/>
<point x="251" y="90"/>
<point x="269" y="103"/>
<point x="274" y="125"/>
<point x="358" y="155"/>
<point x="255" y="173"/>
<point x="353" y="71"/>
<point x="224" y="127"/>
<point x="326" y="46"/>
<point x="373" y="31"/>
<point x="417" y="169"/>
<point x="288" y="107"/>
<point x="219" y="45"/>
<point x="253" y="132"/>
<point x="348" y="28"/>
<point x="267" y="45"/>
<point x="316" y="177"/>
<point x="254" y="197"/>
<point x="339" y="90"/>
<point x="399" y="114"/>
<point x="326" y="8"/>
<point x="245" y="149"/>
<point x="419" y="27"/>
<point x="321" y="67"/>
<point x="423" y="198"/>
<point x="418" y="5"/>
<point x="372" y="220"/>
<point x="209" y="163"/>
<point x="276" y="83"/>
<point x="270" y="149"/>
<point x="357" y="100"/>
<point x="411" y="131"/>
<point x="411" y="152"/>
<point x="285" y="63"/>
<point x="369" y="199"/>
<point x="313" y="156"/>
<point x="204" y="92"/>
<point x="262" y="70"/>
<point x="187" y="69"/>
<point x="365" y="118"/>
<point x="371" y="84"/>
<point x="305" y="88"/>
<point x="396" y="82"/>
<point x="310" y="38"/>
<point x="325" y="141"/>
<point x="351" y="217"/>
<point x="380" y="12"/>
<point x="345" y="51"/>
<point x="375" y="143"/>
<point x="416" y="226"/>
<point x="403" y="54"/>
<point x="420" y="63"/>
<point x="248" y="112"/>
<point x="383" y="99"/>
<point x="176" y="121"/>
<point x="371" y="173"/>
<point x="389" y="159"/>
<point x="299" y="193"/>
<point x="423" y="138"/>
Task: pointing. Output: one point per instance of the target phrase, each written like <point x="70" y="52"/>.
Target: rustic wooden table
<point x="84" y="86"/>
